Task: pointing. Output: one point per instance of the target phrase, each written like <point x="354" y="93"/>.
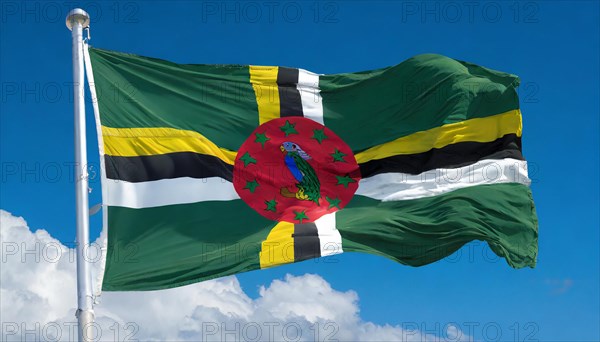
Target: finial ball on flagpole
<point x="78" y="15"/>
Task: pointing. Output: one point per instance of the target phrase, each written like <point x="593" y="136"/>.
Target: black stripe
<point x="171" y="165"/>
<point x="289" y="97"/>
<point x="451" y="156"/>
<point x="287" y="76"/>
<point x="306" y="241"/>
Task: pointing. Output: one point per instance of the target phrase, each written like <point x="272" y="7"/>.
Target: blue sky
<point x="552" y="45"/>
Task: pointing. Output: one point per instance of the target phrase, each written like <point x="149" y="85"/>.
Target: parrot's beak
<point x="282" y="149"/>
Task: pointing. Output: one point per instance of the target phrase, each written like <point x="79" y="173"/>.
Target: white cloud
<point x="559" y="286"/>
<point x="38" y="302"/>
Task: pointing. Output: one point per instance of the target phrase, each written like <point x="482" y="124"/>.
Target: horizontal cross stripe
<point x="129" y="142"/>
<point x="448" y="157"/>
<point x="402" y="186"/>
<point x="475" y="130"/>
<point x="163" y="166"/>
<point x="385" y="186"/>
<point x="168" y="192"/>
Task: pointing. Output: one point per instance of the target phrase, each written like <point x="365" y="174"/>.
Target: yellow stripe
<point x="264" y="82"/>
<point x="131" y="142"/>
<point x="278" y="248"/>
<point x="475" y="130"/>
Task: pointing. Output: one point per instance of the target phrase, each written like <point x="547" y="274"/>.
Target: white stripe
<point x="169" y="191"/>
<point x="329" y="236"/>
<point x="310" y="94"/>
<point x="312" y="108"/>
<point x="401" y="186"/>
<point x="384" y="187"/>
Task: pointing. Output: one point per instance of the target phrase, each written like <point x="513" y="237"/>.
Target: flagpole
<point x="77" y="20"/>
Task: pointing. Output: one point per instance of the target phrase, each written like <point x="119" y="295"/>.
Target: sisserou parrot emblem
<point x="296" y="161"/>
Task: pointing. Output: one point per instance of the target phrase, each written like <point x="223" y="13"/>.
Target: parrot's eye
<point x="294" y="146"/>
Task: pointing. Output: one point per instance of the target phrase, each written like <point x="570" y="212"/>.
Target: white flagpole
<point x="77" y="20"/>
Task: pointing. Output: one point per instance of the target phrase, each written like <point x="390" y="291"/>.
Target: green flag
<point x="212" y="170"/>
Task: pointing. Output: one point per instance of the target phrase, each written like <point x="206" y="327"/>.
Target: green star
<point x="344" y="180"/>
<point x="251" y="185"/>
<point x="300" y="215"/>
<point x="271" y="205"/>
<point x="338" y="156"/>
<point x="288" y="128"/>
<point x="319" y="135"/>
<point x="333" y="202"/>
<point x="261" y="138"/>
<point x="247" y="159"/>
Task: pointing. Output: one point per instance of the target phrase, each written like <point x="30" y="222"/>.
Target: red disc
<point x="296" y="170"/>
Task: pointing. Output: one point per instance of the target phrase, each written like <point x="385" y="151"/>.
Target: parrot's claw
<point x="301" y="195"/>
